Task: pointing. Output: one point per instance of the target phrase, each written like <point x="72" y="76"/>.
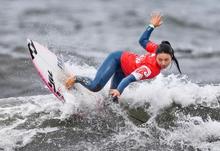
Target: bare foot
<point x="70" y="81"/>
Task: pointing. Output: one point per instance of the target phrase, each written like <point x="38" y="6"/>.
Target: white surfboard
<point x="50" y="68"/>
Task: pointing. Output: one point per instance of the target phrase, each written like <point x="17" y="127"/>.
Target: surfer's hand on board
<point x="114" y="93"/>
<point x="156" y="19"/>
<point x="70" y="82"/>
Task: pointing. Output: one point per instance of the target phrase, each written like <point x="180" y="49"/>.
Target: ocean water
<point x="183" y="110"/>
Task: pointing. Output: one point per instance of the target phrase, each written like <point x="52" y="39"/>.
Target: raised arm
<point x="155" y="21"/>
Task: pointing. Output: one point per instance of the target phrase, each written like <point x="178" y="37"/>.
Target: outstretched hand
<point x="114" y="93"/>
<point x="156" y="19"/>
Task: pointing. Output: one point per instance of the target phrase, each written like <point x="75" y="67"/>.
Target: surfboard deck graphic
<point x="49" y="67"/>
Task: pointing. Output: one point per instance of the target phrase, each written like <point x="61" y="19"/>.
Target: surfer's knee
<point x="96" y="88"/>
<point x="97" y="84"/>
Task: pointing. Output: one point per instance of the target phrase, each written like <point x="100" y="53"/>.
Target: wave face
<point x="179" y="115"/>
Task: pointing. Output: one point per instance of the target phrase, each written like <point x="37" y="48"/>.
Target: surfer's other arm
<point x="125" y="82"/>
<point x="155" y="21"/>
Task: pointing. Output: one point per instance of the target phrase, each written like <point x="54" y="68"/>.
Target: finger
<point x="156" y="13"/>
<point x="153" y="14"/>
<point x="161" y="16"/>
<point x="114" y="95"/>
<point x="159" y="13"/>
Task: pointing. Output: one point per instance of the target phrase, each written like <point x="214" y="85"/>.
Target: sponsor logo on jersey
<point x="139" y="59"/>
<point x="141" y="72"/>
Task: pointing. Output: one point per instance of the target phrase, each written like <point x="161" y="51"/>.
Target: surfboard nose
<point x="28" y="40"/>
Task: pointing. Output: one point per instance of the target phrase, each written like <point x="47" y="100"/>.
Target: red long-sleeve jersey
<point x="143" y="66"/>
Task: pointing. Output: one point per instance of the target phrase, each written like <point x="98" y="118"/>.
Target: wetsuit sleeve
<point x="145" y="42"/>
<point x="125" y="82"/>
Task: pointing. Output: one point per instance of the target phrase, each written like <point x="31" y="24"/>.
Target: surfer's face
<point x="163" y="60"/>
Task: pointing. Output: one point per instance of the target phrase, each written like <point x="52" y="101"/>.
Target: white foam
<point x="82" y="99"/>
<point x="163" y="91"/>
<point x="11" y="138"/>
<point x="160" y="93"/>
<point x="194" y="131"/>
<point x="10" y="135"/>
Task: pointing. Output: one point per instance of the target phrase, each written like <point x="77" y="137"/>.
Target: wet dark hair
<point x="165" y="47"/>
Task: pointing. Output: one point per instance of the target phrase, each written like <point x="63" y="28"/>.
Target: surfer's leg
<point x="104" y="73"/>
<point x="118" y="76"/>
